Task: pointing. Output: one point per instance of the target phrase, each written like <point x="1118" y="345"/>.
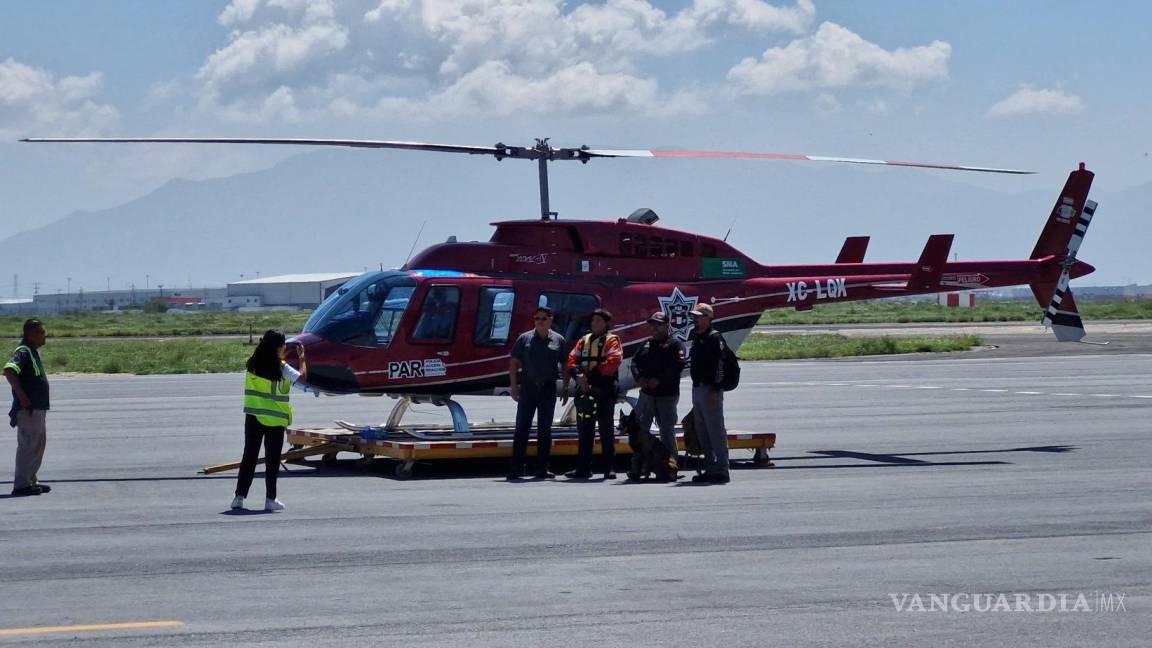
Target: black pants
<point x="256" y="433"/>
<point x="538" y="401"/>
<point x="605" y="419"/>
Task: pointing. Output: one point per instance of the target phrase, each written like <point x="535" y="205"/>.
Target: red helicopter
<point x="443" y="324"/>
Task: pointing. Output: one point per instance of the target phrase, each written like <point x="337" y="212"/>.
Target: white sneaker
<point x="273" y="505"/>
<point x="237" y="502"/>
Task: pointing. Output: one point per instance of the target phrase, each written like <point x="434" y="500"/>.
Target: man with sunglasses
<point x="657" y="368"/>
<point x="537" y="358"/>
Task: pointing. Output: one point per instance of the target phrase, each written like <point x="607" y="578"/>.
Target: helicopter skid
<point x="489" y="441"/>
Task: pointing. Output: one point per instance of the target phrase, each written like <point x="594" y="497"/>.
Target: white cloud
<point x="835" y="57"/>
<point x="1036" y="101"/>
<point x="464" y="56"/>
<point x="34" y="99"/>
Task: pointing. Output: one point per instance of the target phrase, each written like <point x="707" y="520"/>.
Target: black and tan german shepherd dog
<point x="649" y="454"/>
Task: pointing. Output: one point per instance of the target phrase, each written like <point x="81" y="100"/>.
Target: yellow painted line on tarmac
<point x="138" y="625"/>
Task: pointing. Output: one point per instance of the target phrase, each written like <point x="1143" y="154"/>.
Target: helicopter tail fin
<point x="853" y="250"/>
<point x="930" y="267"/>
<point x="1060" y="310"/>
<point x="1062" y="236"/>
<point x="1065" y="216"/>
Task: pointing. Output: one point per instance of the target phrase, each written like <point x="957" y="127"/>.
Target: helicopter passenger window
<point x="573" y="313"/>
<point x="438" y="316"/>
<point x="640" y="245"/>
<point x="390" y="314"/>
<point x="671" y="247"/>
<point x="494" y="316"/>
<point x="625" y="244"/>
<point x="686" y="248"/>
<point x="708" y="250"/>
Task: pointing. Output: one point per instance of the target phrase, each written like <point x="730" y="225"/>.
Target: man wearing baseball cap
<point x="707" y="356"/>
<point x="656" y="368"/>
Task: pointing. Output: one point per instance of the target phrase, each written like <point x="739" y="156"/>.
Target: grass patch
<point x="761" y="346"/>
<point x="135" y="323"/>
<point x="892" y="311"/>
<point x="145" y="357"/>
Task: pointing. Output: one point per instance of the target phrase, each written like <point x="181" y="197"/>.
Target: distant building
<point x="285" y="291"/>
<point x="109" y="300"/>
<point x="15" y="306"/>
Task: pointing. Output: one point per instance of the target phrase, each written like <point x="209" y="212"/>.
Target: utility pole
<point x="15" y="286"/>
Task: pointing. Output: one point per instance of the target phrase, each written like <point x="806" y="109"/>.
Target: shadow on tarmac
<point x="497" y="468"/>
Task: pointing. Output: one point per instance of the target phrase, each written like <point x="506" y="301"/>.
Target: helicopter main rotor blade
<point x="787" y="156"/>
<point x="412" y="146"/>
<point x="501" y="151"/>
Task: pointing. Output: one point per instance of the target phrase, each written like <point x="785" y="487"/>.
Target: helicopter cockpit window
<point x="438" y="316"/>
<point x="365" y="311"/>
<point x="573" y="313"/>
<point x="494" y="316"/>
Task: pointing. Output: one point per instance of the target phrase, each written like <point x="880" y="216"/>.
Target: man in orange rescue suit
<point x="595" y="364"/>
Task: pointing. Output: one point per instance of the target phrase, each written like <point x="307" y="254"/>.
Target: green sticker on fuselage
<point x="718" y="268"/>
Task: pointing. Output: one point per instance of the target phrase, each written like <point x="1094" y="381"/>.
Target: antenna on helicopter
<point x="415" y="241"/>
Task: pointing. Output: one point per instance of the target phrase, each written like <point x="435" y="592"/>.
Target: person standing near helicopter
<point x="266" y="414"/>
<point x="595" y="364"/>
<point x="533" y="371"/>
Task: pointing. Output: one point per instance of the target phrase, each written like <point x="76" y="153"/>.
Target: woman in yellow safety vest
<point x="266" y="414"/>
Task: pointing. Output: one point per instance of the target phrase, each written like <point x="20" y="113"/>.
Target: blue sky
<point x="1038" y="85"/>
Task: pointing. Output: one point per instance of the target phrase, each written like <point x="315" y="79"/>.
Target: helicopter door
<point x="494" y="316"/>
<point x="573" y="313"/>
<point x="437" y="323"/>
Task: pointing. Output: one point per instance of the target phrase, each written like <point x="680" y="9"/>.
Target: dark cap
<point x="607" y="316"/>
<point x="659" y="317"/>
<point x="702" y="309"/>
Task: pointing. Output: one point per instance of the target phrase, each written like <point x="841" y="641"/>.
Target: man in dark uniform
<point x="537" y="358"/>
<point x="657" y="367"/>
<point x="595" y="364"/>
<point x="707" y="358"/>
<point x="25" y="373"/>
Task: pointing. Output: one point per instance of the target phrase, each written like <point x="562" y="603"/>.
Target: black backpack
<point x="731" y="366"/>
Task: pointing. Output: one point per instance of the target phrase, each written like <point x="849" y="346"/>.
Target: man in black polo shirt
<point x="537" y="357"/>
<point x="657" y="367"/>
<point x="25" y="373"/>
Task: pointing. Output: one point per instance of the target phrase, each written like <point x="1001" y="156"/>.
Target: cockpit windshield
<point x="366" y="311"/>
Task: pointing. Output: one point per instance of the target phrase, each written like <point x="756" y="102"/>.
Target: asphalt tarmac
<point x="964" y="477"/>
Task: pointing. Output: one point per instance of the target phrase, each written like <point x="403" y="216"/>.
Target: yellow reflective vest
<point x="267" y="400"/>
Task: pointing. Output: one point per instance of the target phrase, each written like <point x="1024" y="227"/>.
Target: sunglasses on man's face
<point x="541" y="319"/>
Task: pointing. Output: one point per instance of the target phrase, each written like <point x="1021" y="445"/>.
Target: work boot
<point x="578" y="474"/>
<point x="24" y="491"/>
<point x="44" y="488"/>
<point x="704" y="478"/>
<point x="719" y="479"/>
<point x="543" y="473"/>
